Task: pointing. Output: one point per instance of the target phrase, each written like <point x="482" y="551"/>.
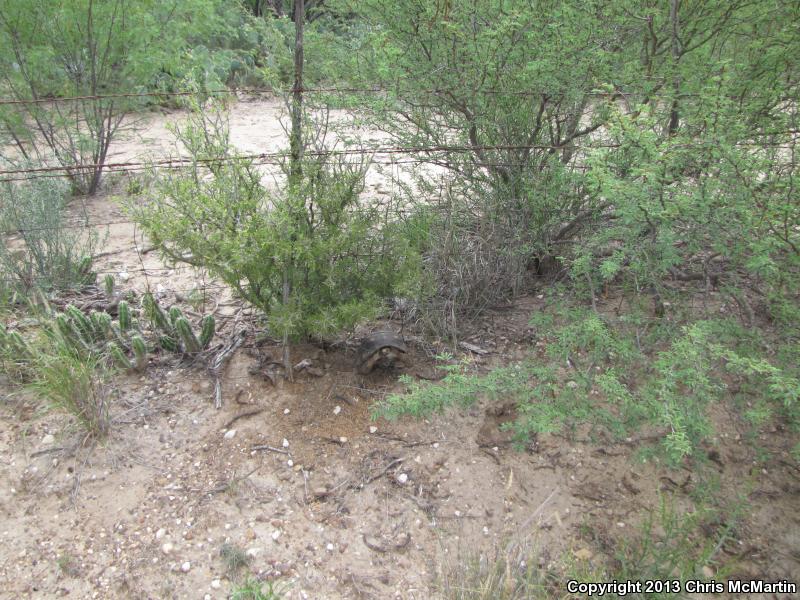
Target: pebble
<point x="167" y="548"/>
<point x="708" y="572"/>
<point x="48" y="439"/>
<point x="329" y="547"/>
<point x="253" y="552"/>
<point x="229" y="434"/>
<point x="285" y="443"/>
<point x="186" y="567"/>
<point x="402" y="478"/>
<point x="161" y="533"/>
<point x="216" y="584"/>
<point x="337" y="410"/>
<point x="286" y="411"/>
<point x="343" y="440"/>
<point x="373" y="429"/>
<point x="276" y="534"/>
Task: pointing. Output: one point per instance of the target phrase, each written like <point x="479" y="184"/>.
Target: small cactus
<point x="168" y="343"/>
<point x="87" y="276"/>
<point x="139" y="352"/>
<point x="153" y="312"/>
<point x="189" y="339"/>
<point x="174" y="314"/>
<point x="82" y="323"/>
<point x="119" y="357"/>
<point x="101" y="321"/>
<point x="109" y="283"/>
<point x="69" y="333"/>
<point x="207" y="328"/>
<point x="124" y="312"/>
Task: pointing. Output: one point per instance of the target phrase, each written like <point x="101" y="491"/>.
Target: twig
<point x="248" y="413"/>
<point x="227" y="485"/>
<point x="386" y="468"/>
<point x="219" y="360"/>
<point x="46" y="451"/>
<point x="269" y="448"/>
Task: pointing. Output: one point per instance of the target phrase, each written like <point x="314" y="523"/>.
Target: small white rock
<point x="343" y="440"/>
<point x="216" y="584"/>
<point x="124" y="276"/>
<point x="167" y="548"/>
<point x="329" y="547"/>
<point x="373" y="429"/>
<point x="161" y="533"/>
<point x="229" y="434"/>
<point x="285" y="443"/>
<point x="286" y="411"/>
<point x="186" y="567"/>
<point x="402" y="478"/>
<point x="253" y="552"/>
<point x="290" y="462"/>
<point x="337" y="410"/>
<point x="276" y="534"/>
<point x="48" y="439"/>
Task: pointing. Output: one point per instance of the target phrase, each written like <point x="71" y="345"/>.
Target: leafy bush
<point x="598" y="376"/>
<point x="48" y="253"/>
<point x="334" y="255"/>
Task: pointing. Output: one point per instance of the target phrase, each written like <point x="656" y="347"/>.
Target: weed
<point x="234" y="558"/>
<point x="504" y="575"/>
<point x="74" y="383"/>
<point x="255" y="590"/>
<point x="67" y="565"/>
<point x="49" y="254"/>
<point x="673" y="544"/>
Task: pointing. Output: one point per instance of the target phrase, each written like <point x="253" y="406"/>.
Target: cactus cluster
<point x="177" y="334"/>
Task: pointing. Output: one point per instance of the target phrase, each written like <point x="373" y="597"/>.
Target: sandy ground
<point x="338" y="506"/>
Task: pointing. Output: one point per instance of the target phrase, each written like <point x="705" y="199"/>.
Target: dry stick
<point x="530" y="519"/>
<point x="219" y="360"/>
<point x="386" y="468"/>
<point x="270" y="448"/>
<point x="248" y="413"/>
<point x="227" y="485"/>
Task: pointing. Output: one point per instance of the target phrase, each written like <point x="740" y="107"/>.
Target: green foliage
<point x="334" y="255"/>
<point x="674" y="544"/>
<point x="39" y="250"/>
<point x="72" y="380"/>
<point x="255" y="590"/>
<point x="598" y="376"/>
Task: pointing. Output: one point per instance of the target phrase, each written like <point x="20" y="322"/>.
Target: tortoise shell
<point x="378" y="346"/>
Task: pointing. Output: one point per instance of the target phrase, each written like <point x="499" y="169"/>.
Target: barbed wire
<point x="318" y="90"/>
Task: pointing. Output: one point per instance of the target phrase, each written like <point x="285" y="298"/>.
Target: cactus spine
<point x="207" y="328"/>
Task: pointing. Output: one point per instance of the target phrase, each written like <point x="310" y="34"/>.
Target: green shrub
<point x="334" y="255"/>
<point x="48" y="252"/>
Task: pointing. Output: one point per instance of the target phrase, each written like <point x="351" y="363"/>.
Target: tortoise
<point x="381" y="347"/>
